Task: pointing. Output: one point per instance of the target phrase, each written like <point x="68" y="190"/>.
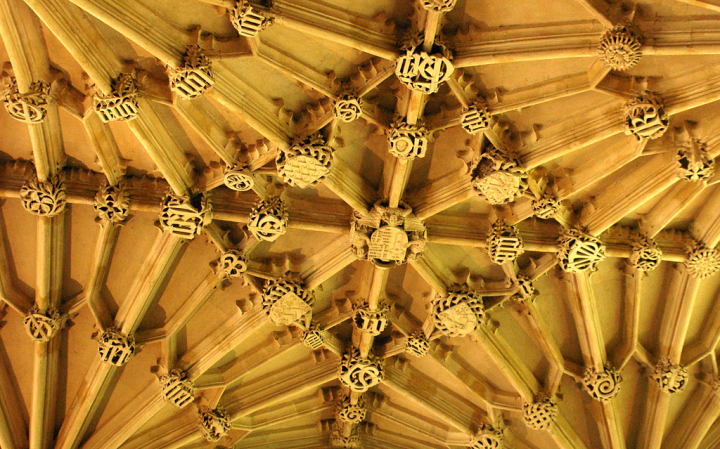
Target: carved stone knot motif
<point x="459" y="312"/>
<point x="176" y="388"/>
<point x="701" y="261"/>
<point x="314" y="336"/>
<point x="498" y="177"/>
<point x="349" y="412"/>
<point x="249" y="20"/>
<point x="239" y="179"/>
<point x="423" y="71"/>
<point x="645" y="255"/>
<point x="645" y="117"/>
<point x="195" y="77"/>
<point x="348" y="107"/>
<point x="360" y="373"/>
<point x="619" y="48"/>
<point x="504" y="243"/>
<point x="45" y="199"/>
<point x="185" y="217"/>
<point x="487" y="437"/>
<point x="541" y="414"/>
<point x="545" y="208"/>
<point x="370" y="321"/>
<point x="407" y="141"/>
<point x="306" y="163"/>
<point x="112" y="203"/>
<point x="286" y="302"/>
<point x="579" y="251"/>
<point x="670" y="377"/>
<point x="214" y="424"/>
<point x="30" y="106"/>
<point x="115" y="348"/>
<point x="602" y="385"/>
<point x="232" y="264"/>
<point x="122" y="103"/>
<point x="693" y="162"/>
<point x="438" y="5"/>
<point x="42" y="325"/>
<point x="475" y="118"/>
<point x="417" y="344"/>
<point x="268" y="219"/>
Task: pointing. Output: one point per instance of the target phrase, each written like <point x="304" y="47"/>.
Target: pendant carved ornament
<point x="268" y="219"/>
<point x="578" y="251"/>
<point x="541" y="414"/>
<point x="488" y="437"/>
<point x="619" y="48"/>
<point x="602" y="385"/>
<point x="185" y="217"/>
<point x="693" y="162"/>
<point x="122" y="103"/>
<point x="286" y="303"/>
<point x="701" y="261"/>
<point x="195" y="77"/>
<point x="459" y="312"/>
<point x="314" y="336"/>
<point x="30" y="106"/>
<point x="214" y="424"/>
<point x="347" y="107"/>
<point x="238" y="178"/>
<point x="645" y="255"/>
<point x="423" y="71"/>
<point x="115" y="348"/>
<point x="498" y="177"/>
<point x="438" y="5"/>
<point x="249" y="20"/>
<point x="306" y="163"/>
<point x="645" y="117"/>
<point x="112" y="203"/>
<point x="176" y="388"/>
<point x="545" y="208"/>
<point x="417" y="344"/>
<point x="232" y="264"/>
<point x="45" y="199"/>
<point x="475" y="118"/>
<point x="349" y="412"/>
<point x="670" y="377"/>
<point x="407" y="141"/>
<point x="360" y="373"/>
<point x="42" y="325"/>
<point x="504" y="243"/>
<point x="369" y="321"/>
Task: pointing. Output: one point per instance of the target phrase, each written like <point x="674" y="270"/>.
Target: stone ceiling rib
<point x="703" y="408"/>
<point x="13" y="429"/>
<point x="600" y="10"/>
<point x="8" y="293"/>
<point x="106" y="147"/>
<point x="631" y="317"/>
<point x="706" y="226"/>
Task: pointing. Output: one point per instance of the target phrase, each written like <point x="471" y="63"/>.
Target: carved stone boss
<point x="45" y="199"/>
<point x="423" y="71"/>
<point x="122" y="103"/>
<point x="268" y="219"/>
<point x="30" y="106"/>
<point x="458" y="313"/>
<point x="195" y="77"/>
<point x="116" y="348"/>
<point x="286" y="303"/>
<point x="306" y="163"/>
<point x="185" y="217"/>
<point x="360" y="373"/>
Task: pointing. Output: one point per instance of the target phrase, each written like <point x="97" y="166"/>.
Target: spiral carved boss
<point x="602" y="385"/>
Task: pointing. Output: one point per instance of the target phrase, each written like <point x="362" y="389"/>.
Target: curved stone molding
<point x="504" y="243"/>
<point x="645" y="117"/>
<point x="579" y="251"/>
<point x="249" y="20"/>
<point x="372" y="322"/>
<point x="541" y="414"/>
<point x="526" y="288"/>
<point x="45" y="199"/>
<point x="545" y="208"/>
<point x="239" y="179"/>
<point x="488" y="437"/>
<point x="176" y="388"/>
<point x="339" y="440"/>
<point x="498" y="177"/>
<point x="115" y="348"/>
<point x="347" y="107"/>
<point x="185" y="217"/>
<point x="602" y="385"/>
<point x="112" y="203"/>
<point x="702" y="261"/>
<point x="268" y="219"/>
<point x="122" y="103"/>
<point x="314" y="336"/>
<point x="30" y="106"/>
<point x="619" y="48"/>
<point x="359" y="373"/>
<point x="438" y="5"/>
<point x="645" y="255"/>
<point x="232" y="264"/>
<point x="423" y="71"/>
<point x="417" y="344"/>
<point x="349" y="412"/>
<point x="42" y="325"/>
<point x="475" y="118"/>
<point x="195" y="77"/>
<point x="693" y="162"/>
<point x="306" y="163"/>
<point x="458" y="313"/>
<point x="214" y="424"/>
<point x="286" y="303"/>
<point x="407" y="141"/>
<point x="388" y="236"/>
<point x="670" y="378"/>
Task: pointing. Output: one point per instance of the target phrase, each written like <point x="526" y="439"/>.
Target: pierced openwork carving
<point x="232" y="263"/>
<point x="360" y="373"/>
<point x="238" y="178"/>
<point x="417" y="344"/>
<point x="407" y="141"/>
<point x="185" y="217"/>
<point x="541" y="414"/>
<point x="339" y="440"/>
<point x="546" y="207"/>
<point x="372" y="322"/>
<point x="438" y="5"/>
<point x="475" y="118"/>
<point x="645" y="117"/>
<point x="702" y="261"/>
<point x="602" y="385"/>
<point x="619" y="48"/>
<point x="45" y="199"/>
<point x="498" y="177"/>
<point x="526" y="288"/>
<point x="177" y="389"/>
<point x="458" y="313"/>
<point x="115" y="348"/>
<point x="249" y="20"/>
<point x="287" y="303"/>
<point x="422" y="71"/>
<point x="388" y="236"/>
<point x="487" y="437"/>
<point x="42" y="325"/>
<point x="579" y="251"/>
<point x="314" y="336"/>
<point x="195" y="77"/>
<point x="306" y="163"/>
<point x="112" y="203"/>
<point x="670" y="377"/>
<point x="348" y="107"/>
<point x="349" y="412"/>
<point x="504" y="243"/>
<point x="214" y="424"/>
<point x="268" y="219"/>
<point x="645" y="253"/>
<point x="30" y="106"/>
<point x="122" y="103"/>
<point x="693" y="162"/>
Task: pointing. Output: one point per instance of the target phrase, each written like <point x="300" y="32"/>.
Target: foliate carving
<point x="541" y="414"/>
<point x="195" y="77"/>
<point x="232" y="263"/>
<point x="372" y="322"/>
<point x="417" y="344"/>
<point x="422" y="71"/>
<point x="348" y="107"/>
<point x="45" y="199"/>
<point x="249" y="20"/>
<point x="475" y="118"/>
<point x="112" y="203"/>
<point x="115" y="348"/>
<point x="670" y="378"/>
<point x="579" y="251"/>
<point x="349" y="412"/>
<point x="42" y="325"/>
<point x="30" y="106"/>
<point x="314" y="336"/>
<point x="360" y="373"/>
<point x="268" y="219"/>
<point x="214" y="424"/>
<point x="122" y="103"/>
<point x="185" y="217"/>
<point x="645" y="117"/>
<point x="645" y="253"/>
<point x="407" y="141"/>
<point x="498" y="177"/>
<point x="287" y="303"/>
<point x="177" y="389"/>
<point x="545" y="208"/>
<point x="702" y="261"/>
<point x="526" y="288"/>
<point x="339" y="440"/>
<point x="438" y="5"/>
<point x="239" y="179"/>
<point x="602" y="385"/>
<point x="619" y="48"/>
<point x="306" y="163"/>
<point x="458" y="313"/>
<point x="504" y="243"/>
<point x="388" y="236"/>
<point x="487" y="437"/>
<point x="693" y="162"/>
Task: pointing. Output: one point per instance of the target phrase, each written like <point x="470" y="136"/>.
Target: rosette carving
<point x="619" y="48"/>
<point x="112" y="203"/>
<point x="45" y="199"/>
<point x="702" y="261"/>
